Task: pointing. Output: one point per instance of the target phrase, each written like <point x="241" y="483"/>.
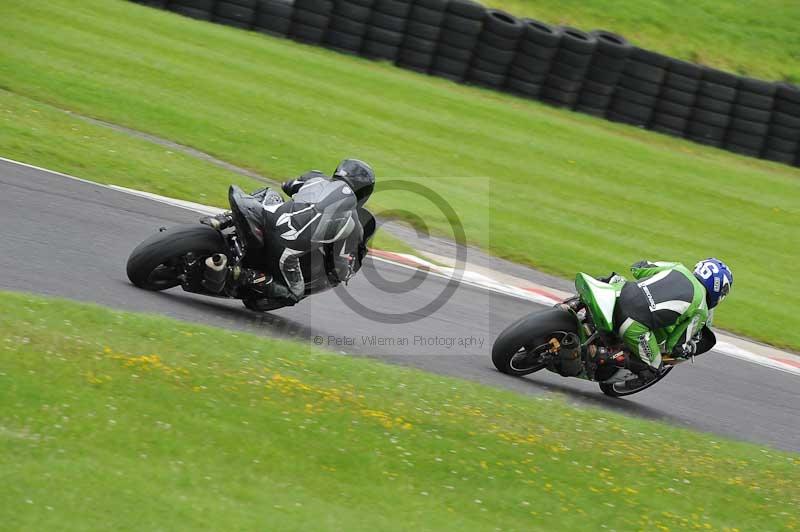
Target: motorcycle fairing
<point x="248" y="216"/>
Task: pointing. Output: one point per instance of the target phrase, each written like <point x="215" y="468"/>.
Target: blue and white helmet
<point x="716" y="277"/>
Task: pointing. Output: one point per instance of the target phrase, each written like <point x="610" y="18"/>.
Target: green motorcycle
<point x="566" y="338"/>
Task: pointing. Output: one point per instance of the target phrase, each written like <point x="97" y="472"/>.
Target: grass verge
<point x="125" y="421"/>
<point x="557" y="190"/>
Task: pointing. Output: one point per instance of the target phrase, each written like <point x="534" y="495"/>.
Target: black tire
<point x="190" y="12"/>
<point x="305" y="33"/>
<point x="394" y="8"/>
<point x="419" y="45"/>
<point x="415" y="60"/>
<point x="745" y="140"/>
<point x="463" y="25"/>
<point x="639" y="85"/>
<point x="231" y="11"/>
<point x="523" y="87"/>
<point x="685" y="69"/>
<point x="231" y="22"/>
<point x="503" y="24"/>
<point x="708" y="103"/>
<point x="344" y="41"/>
<point x="611" y="389"/>
<point x="611" y="44"/>
<point x="392" y="38"/>
<point x="646" y="72"/>
<point x="161" y="248"/>
<point x="380" y="50"/>
<point x="388" y="22"/>
<point x="718" y="92"/>
<point x="541" y="33"/>
<point x="489" y="79"/>
<point x="711" y="118"/>
<point x="778" y="156"/>
<point x="273" y="25"/>
<point x="423" y="15"/>
<point x="674" y="109"/>
<point x="423" y="31"/>
<point x="529" y="64"/>
<point x="670" y="122"/>
<point x="203" y="5"/>
<point x="636" y="97"/>
<point x="310" y="18"/>
<point x="776" y="129"/>
<point x="346" y="25"/>
<point x="650" y="58"/>
<point x="451" y="52"/>
<point x="278" y="8"/>
<point x="529" y="332"/>
<point x="355" y="12"/>
<point x="466" y="9"/>
<point x="720" y="77"/>
<point x="682" y="83"/>
<point x="577" y="41"/>
<point x="678" y="97"/>
<point x="458" y="39"/>
<point x="788" y="92"/>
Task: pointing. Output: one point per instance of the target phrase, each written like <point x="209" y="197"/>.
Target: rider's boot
<point x="255" y="285"/>
<point x="218" y="222"/>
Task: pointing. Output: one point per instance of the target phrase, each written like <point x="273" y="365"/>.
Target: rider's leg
<point x="645" y="353"/>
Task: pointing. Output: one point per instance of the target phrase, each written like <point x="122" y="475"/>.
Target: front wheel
<point x="519" y="349"/>
<point x="630" y="387"/>
<point x="155" y="264"/>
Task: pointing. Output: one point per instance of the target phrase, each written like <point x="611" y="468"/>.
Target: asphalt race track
<point x="67" y="238"/>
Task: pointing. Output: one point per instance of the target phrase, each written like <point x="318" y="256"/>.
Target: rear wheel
<point x="519" y="349"/>
<point x="630" y="387"/>
<point x="156" y="263"/>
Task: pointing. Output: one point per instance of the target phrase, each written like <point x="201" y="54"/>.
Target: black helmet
<point x="359" y="177"/>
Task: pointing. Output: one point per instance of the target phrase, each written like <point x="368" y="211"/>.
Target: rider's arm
<point x="645" y="268"/>
<point x="683" y="338"/>
<point x="292" y="186"/>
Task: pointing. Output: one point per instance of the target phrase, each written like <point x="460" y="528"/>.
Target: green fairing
<point x="599" y="298"/>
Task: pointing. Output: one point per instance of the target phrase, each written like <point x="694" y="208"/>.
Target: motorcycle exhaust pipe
<point x="216" y="273"/>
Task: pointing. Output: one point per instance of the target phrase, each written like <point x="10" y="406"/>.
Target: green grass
<point x="557" y="190"/>
<point x="757" y="37"/>
<point x="123" y="421"/>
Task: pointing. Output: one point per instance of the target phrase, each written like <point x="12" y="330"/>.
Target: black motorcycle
<point x="198" y="257"/>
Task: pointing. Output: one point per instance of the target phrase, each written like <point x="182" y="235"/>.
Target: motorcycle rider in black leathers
<point x="323" y="229"/>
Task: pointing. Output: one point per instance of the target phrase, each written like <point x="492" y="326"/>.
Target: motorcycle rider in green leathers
<point x="667" y="309"/>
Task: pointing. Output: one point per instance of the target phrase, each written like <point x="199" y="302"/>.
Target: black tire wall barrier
<point x="598" y="73"/>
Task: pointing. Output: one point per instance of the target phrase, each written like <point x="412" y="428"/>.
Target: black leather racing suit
<point x="313" y="241"/>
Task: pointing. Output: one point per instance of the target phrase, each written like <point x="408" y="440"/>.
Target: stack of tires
<point x="348" y="25"/>
<point x="604" y="73"/>
<point x="461" y="27"/>
<point x="199" y="9"/>
<point x="565" y="79"/>
<point x="537" y="47"/>
<point x="273" y="17"/>
<point x="639" y="88"/>
<point x="713" y="106"/>
<point x="750" y="117"/>
<point x="310" y="19"/>
<point x="386" y="29"/>
<point x="496" y="46"/>
<point x="422" y="34"/>
<point x="783" y="138"/>
<point x="236" y="13"/>
<point x="677" y="98"/>
<point x="152" y="3"/>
